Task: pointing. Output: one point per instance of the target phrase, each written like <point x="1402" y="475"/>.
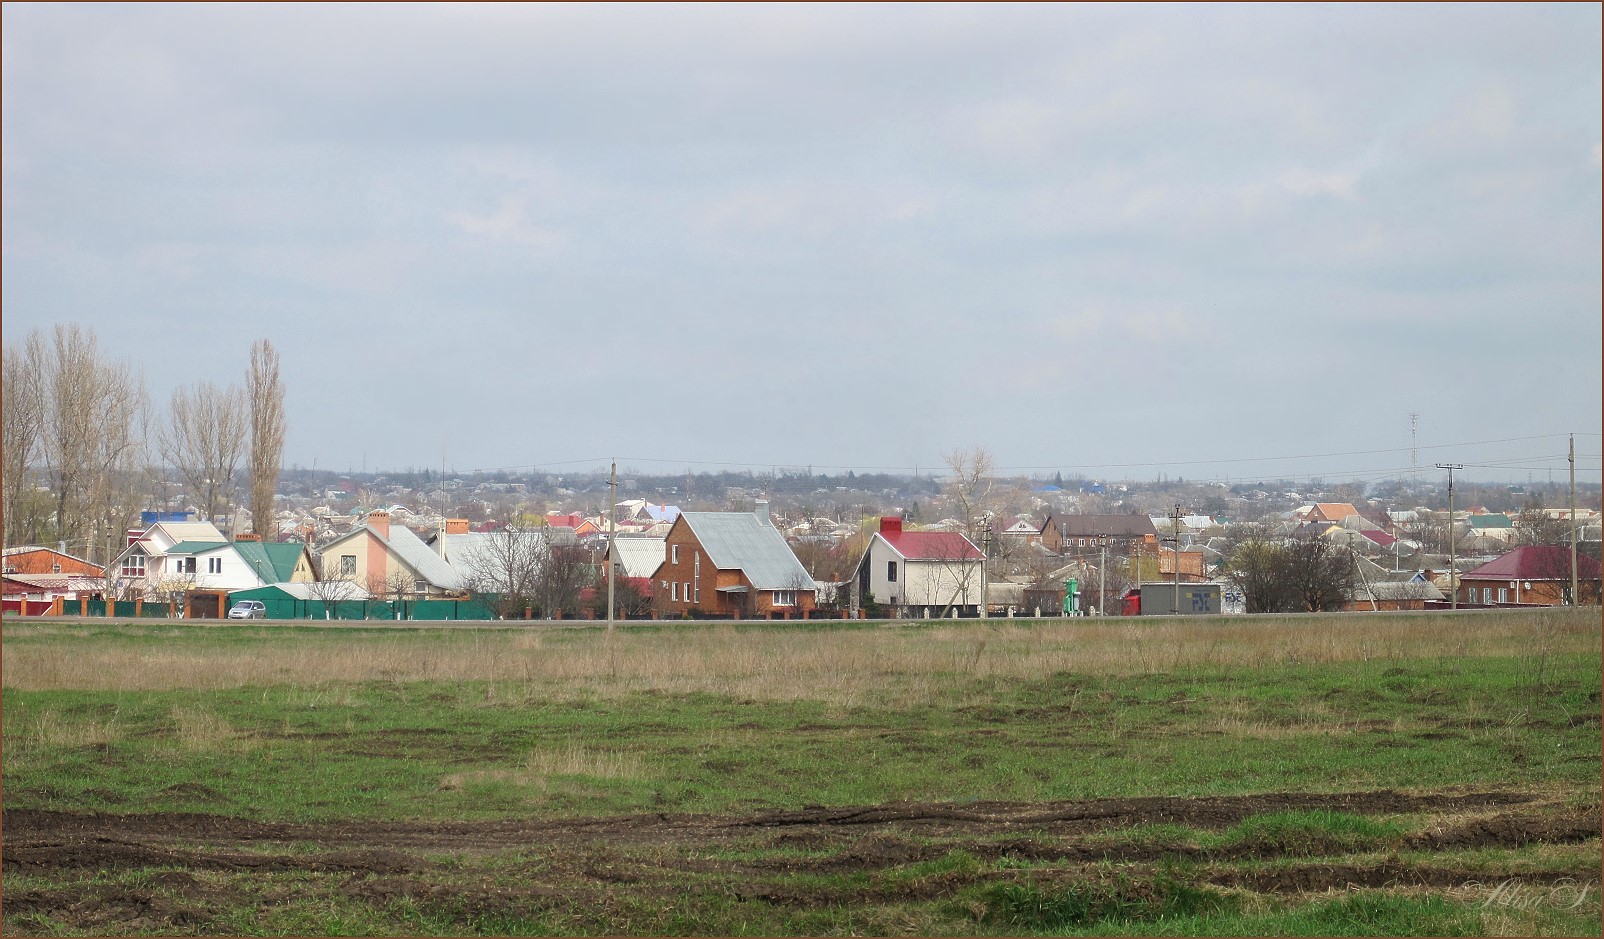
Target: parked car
<point x="248" y="609"/>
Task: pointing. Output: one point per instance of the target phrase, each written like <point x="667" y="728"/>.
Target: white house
<point x="143" y="565"/>
<point x="921" y="573"/>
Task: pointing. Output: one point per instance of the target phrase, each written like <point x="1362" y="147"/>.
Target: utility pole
<point x="1575" y="597"/>
<point x="1102" y="580"/>
<point x="985" y="561"/>
<point x="1175" y="604"/>
<point x="1453" y="578"/>
<point x="612" y="537"/>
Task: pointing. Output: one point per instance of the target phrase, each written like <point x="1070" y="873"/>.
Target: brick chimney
<point x="380" y="523"/>
<point x="890" y="524"/>
<point x="249" y="536"/>
<point x="456" y="526"/>
<point x="761" y="510"/>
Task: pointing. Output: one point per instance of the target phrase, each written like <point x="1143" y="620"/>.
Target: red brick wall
<point x="672" y="601"/>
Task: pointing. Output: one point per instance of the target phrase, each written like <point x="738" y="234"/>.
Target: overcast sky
<point x="1125" y="241"/>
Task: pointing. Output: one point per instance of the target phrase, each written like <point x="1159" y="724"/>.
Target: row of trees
<point x="81" y="442"/>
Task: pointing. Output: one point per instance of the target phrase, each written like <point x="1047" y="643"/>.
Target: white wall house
<point x="921" y="573"/>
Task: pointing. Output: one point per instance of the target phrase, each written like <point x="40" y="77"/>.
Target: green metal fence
<point x="291" y="609"/>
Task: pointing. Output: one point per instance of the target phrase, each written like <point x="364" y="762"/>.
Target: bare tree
<point x="1533" y="526"/>
<point x="333" y="588"/>
<point x="91" y="426"/>
<point x="1307" y="575"/>
<point x="204" y="439"/>
<point x="505" y="568"/>
<point x="972" y="489"/>
<point x="21" y="433"/>
<point x="265" y="394"/>
<point x="566" y="571"/>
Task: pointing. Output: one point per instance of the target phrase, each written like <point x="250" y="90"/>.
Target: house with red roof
<point x="922" y="573"/>
<point x="1531" y="574"/>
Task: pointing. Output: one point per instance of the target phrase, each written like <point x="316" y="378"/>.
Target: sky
<point x="1129" y="242"/>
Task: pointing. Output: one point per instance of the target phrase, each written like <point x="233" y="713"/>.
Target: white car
<point x="248" y="609"/>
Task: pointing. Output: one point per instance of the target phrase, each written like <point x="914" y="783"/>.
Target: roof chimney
<point x="890" y="524"/>
<point x="761" y="510"/>
<point x="380" y="523"/>
<point x="456" y="526"/>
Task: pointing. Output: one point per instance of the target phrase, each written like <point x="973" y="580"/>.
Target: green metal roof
<point x="270" y="559"/>
<point x="278" y="557"/>
<point x="1497" y="520"/>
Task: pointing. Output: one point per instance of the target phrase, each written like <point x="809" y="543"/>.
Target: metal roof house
<point x="1531" y="575"/>
<point x="388" y="559"/>
<point x="733" y="564"/>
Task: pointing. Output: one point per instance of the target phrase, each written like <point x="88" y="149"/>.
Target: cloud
<point x="509" y="224"/>
<point x="1305" y="182"/>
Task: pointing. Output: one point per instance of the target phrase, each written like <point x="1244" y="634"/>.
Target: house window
<point x="347" y="565"/>
<point x="420" y="586"/>
<point x="891" y="571"/>
<point x="1486" y="595"/>
<point x="673" y="590"/>
<point x="698" y="598"/>
<point x="673" y="554"/>
<point x="214" y="565"/>
<point x="1503" y="594"/>
<point x="134" y="564"/>
<point x="785" y="598"/>
<point x="55" y="568"/>
<point x="686" y="591"/>
<point x="186" y="565"/>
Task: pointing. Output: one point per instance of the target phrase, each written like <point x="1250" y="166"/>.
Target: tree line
<point x="85" y="451"/>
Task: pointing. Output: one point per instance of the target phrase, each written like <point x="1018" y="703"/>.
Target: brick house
<point x="1531" y="574"/>
<point x="1121" y="534"/>
<point x="733" y="564"/>
<point x="34" y="559"/>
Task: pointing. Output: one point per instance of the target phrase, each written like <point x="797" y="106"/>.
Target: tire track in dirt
<point x="26" y="827"/>
<point x="37" y="840"/>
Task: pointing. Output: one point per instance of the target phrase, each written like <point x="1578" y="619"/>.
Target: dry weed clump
<point x="47" y="730"/>
<point x="539" y="766"/>
<point x="202" y="731"/>
<point x="904" y="664"/>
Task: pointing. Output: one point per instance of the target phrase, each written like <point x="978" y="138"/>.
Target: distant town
<point x="791" y="543"/>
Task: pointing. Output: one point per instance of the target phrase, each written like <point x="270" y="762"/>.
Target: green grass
<point x="460" y="747"/>
<point x="453" y="750"/>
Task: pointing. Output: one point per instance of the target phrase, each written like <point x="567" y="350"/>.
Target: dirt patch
<point x="182" y="871"/>
<point x="1513" y="830"/>
<point x="1319" y="878"/>
<point x="44" y="831"/>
